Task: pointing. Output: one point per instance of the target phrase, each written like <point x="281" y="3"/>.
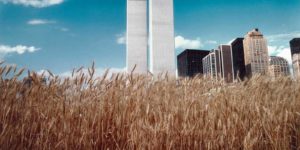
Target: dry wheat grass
<point x="136" y="112"/>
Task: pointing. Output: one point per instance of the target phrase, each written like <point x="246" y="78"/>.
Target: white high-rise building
<point x="137" y="36"/>
<point x="161" y="37"/>
<point x="161" y="32"/>
<point x="210" y="65"/>
<point x="256" y="53"/>
<point x="218" y="64"/>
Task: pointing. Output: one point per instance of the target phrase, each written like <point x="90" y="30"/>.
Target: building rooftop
<point x="274" y="60"/>
<point x="254" y="32"/>
<point x="193" y="51"/>
<point x="295" y="40"/>
<point x="237" y="40"/>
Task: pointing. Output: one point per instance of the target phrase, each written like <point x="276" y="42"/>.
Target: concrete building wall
<point x="256" y="53"/>
<point x="226" y="59"/>
<point x="209" y="66"/>
<point x="218" y="63"/>
<point x="296" y="65"/>
<point x="278" y="66"/>
<point x="137" y="36"/>
<point x="161" y="30"/>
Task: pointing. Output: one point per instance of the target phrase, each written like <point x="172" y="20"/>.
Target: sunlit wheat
<point x="138" y="112"/>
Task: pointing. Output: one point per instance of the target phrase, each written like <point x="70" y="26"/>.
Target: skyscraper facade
<point x="161" y="36"/>
<point x="278" y="67"/>
<point x="210" y="66"/>
<point x="137" y="36"/>
<point x="295" y="51"/>
<point x="238" y="59"/>
<point x="296" y="64"/>
<point x="226" y="63"/>
<point x="218" y="64"/>
<point x="295" y="46"/>
<point x="256" y="53"/>
<point x="189" y="62"/>
<point x="161" y="30"/>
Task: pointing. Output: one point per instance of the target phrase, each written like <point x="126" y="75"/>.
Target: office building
<point x="256" y="53"/>
<point x="295" y="51"/>
<point x="210" y="65"/>
<point x="278" y="66"/>
<point x="137" y="36"/>
<point x="226" y="63"/>
<point x="189" y="62"/>
<point x="218" y="64"/>
<point x="162" y="44"/>
<point x="238" y="59"/>
<point x="295" y="46"/>
<point x="296" y="64"/>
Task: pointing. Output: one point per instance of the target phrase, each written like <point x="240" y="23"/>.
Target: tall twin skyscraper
<point x="155" y="32"/>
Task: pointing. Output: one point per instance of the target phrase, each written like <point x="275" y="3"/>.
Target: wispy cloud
<point x="98" y="72"/>
<point x="275" y="50"/>
<point x="281" y="51"/>
<point x="184" y="43"/>
<point x="40" y="22"/>
<point x="64" y="29"/>
<point x="34" y="3"/>
<point x="121" y="39"/>
<point x="211" y="42"/>
<point x="283" y="36"/>
<point x="19" y="49"/>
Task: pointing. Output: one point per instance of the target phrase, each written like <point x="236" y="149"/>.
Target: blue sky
<point x="60" y="35"/>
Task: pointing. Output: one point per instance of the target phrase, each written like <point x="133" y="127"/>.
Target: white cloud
<point x="285" y="52"/>
<point x="180" y="42"/>
<point x="34" y="3"/>
<point x="281" y="51"/>
<point x="19" y="49"/>
<point x="280" y="45"/>
<point x="44" y="73"/>
<point x="64" y="29"/>
<point x="121" y="39"/>
<point x="40" y="22"/>
<point x="283" y="37"/>
<point x="211" y="42"/>
<point x="275" y="50"/>
<point x="183" y="43"/>
<point x="98" y="72"/>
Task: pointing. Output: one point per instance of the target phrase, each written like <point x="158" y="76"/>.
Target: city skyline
<point x="62" y="35"/>
<point x="243" y="57"/>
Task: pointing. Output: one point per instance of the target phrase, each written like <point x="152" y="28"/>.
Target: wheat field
<point x="122" y="111"/>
